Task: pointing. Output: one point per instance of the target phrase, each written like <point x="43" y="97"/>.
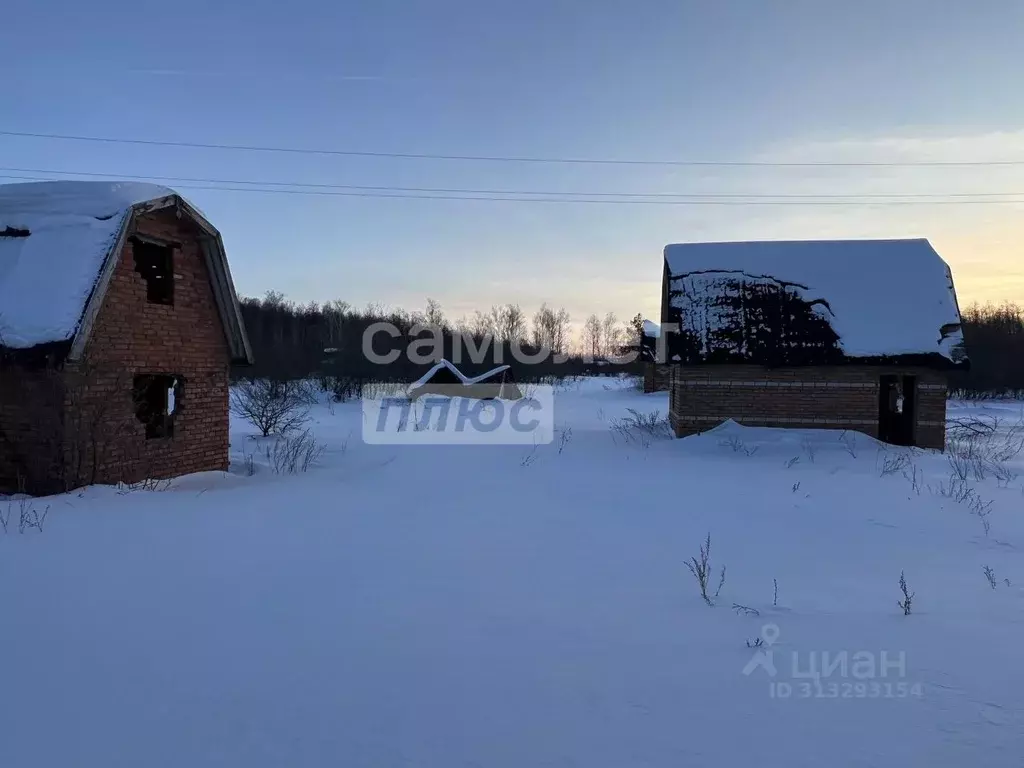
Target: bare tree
<point x="271" y="406"/>
<point x="544" y="320"/>
<point x="611" y="335"/>
<point x="551" y="329"/>
<point x="592" y="336"/>
<point x="482" y="324"/>
<point x="434" y="315"/>
<point x="513" y="323"/>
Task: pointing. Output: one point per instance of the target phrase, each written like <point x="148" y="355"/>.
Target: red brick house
<point x="118" y="324"/>
<point x="851" y="334"/>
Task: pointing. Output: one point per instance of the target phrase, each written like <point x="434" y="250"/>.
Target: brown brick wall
<point x="31" y="430"/>
<point x="131" y="335"/>
<point x="656" y="377"/>
<point x="835" y="397"/>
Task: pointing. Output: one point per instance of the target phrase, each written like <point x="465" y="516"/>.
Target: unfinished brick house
<point x="118" y="324"/>
<point x="851" y="334"/>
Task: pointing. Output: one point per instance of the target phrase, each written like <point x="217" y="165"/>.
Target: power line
<point x="513" y="159"/>
<point x="450" y="190"/>
<point x="604" y="201"/>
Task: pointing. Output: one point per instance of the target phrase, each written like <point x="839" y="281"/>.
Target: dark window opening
<point x="897" y="396"/>
<point x="155" y="263"/>
<point x="157" y="400"/>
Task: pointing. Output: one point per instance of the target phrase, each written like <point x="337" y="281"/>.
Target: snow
<point x="885" y="297"/>
<point x="652" y="330"/>
<point x="451" y="606"/>
<point x="426" y="377"/>
<point x="46" y="278"/>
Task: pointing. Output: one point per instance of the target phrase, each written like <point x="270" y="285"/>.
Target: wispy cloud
<point x="275" y="74"/>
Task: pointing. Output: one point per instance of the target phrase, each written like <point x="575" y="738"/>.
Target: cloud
<point x="276" y="74"/>
<point x="923" y="146"/>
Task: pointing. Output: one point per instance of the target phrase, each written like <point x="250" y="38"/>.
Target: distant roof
<point x="881" y="298"/>
<point x="55" y="241"/>
<point x="651" y="330"/>
<point x="444" y="365"/>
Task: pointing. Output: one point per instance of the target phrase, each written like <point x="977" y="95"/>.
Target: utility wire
<point x="575" y="200"/>
<point x="449" y="190"/>
<point x="513" y="159"/>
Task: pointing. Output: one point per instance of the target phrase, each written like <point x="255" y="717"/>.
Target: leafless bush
<point x="982" y="509"/>
<point x="990" y="576"/>
<point x="796" y="486"/>
<point x="757" y="642"/>
<point x="564" y="437"/>
<point x="891" y="464"/>
<point x="529" y="457"/>
<point x="908" y="597"/>
<point x="29" y="515"/>
<point x="640" y="428"/>
<point x="148" y="484"/>
<point x="250" y="464"/>
<point x="971" y="427"/>
<point x="775" y="596"/>
<point x="700" y="567"/>
<point x="271" y="406"/>
<point x="651" y="423"/>
<point x="956" y="488"/>
<point x="913" y="476"/>
<point x="295" y="453"/>
<point x="849" y="442"/>
<point x="745" y="610"/>
<point x="959" y="489"/>
<point x="792" y="462"/>
<point x="738" y="446"/>
<point x="809" y="449"/>
<point x="980" y="446"/>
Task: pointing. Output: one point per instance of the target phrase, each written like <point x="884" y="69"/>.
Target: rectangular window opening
<point x="155" y="263"/>
<point x="158" y="399"/>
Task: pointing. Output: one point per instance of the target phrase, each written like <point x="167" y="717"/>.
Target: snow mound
<point x="54" y="239"/>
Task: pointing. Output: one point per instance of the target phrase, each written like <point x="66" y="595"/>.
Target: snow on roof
<point x="426" y="377"/>
<point x="652" y="330"/>
<point x="880" y="297"/>
<point x="54" y="239"/>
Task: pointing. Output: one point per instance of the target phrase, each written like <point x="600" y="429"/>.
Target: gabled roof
<point x="455" y="375"/>
<point x="862" y="298"/>
<point x="59" y="243"/>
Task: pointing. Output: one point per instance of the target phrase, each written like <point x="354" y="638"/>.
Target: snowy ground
<point x="473" y="606"/>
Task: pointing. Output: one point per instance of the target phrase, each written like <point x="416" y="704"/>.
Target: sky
<point x="748" y="82"/>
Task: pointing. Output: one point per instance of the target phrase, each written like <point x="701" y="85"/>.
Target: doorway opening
<point x="897" y="404"/>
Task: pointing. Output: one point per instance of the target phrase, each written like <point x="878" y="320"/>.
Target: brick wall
<point x="839" y="397"/>
<point x="31" y="429"/>
<point x="105" y="441"/>
<point x="656" y="377"/>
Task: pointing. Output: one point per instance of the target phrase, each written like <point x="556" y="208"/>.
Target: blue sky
<point x="656" y="79"/>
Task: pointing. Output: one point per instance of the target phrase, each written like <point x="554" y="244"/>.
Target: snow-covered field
<point x="456" y="606"/>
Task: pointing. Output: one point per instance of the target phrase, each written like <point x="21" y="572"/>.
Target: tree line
<point x="292" y="340"/>
<point x="994" y="337"/>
